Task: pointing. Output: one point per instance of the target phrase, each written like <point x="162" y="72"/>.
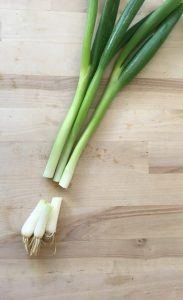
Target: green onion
<point x="89" y="64"/>
<point x="67" y="149"/>
<point x="146" y="28"/>
<point x="80" y="92"/>
<point x="69" y="144"/>
<point x="125" y="75"/>
<point x="110" y="50"/>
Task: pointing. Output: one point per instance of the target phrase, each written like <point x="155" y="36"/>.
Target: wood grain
<point x="120" y="234"/>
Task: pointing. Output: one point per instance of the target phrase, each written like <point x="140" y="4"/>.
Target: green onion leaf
<point x="119" y="31"/>
<point x="142" y="57"/>
<point x="148" y="27"/>
<point x="104" y="31"/>
<point x="131" y="31"/>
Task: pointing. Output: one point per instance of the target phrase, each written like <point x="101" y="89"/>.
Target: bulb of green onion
<point x="40" y="227"/>
<point x="39" y="230"/>
<point x="51" y="226"/>
<point x="29" y="226"/>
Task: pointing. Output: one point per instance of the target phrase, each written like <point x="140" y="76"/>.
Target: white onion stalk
<point x="39" y="230"/>
<point x="29" y="226"/>
<point x="51" y="226"/>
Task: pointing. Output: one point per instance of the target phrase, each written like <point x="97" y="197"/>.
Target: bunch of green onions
<point x="40" y="227"/>
<point x="135" y="47"/>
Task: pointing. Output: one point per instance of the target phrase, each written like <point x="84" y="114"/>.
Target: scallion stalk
<point x="147" y="27"/>
<point x="120" y="78"/>
<point x="110" y="50"/>
<point x="89" y="64"/>
<point x="80" y="92"/>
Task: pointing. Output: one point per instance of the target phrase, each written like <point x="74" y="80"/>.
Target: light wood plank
<point x="68" y="266"/>
<point x="58" y="92"/>
<point x="104" y="223"/>
<point x="28" y="58"/>
<point x="49" y="26"/>
<point x="81" y="5"/>
<point x="38" y="25"/>
<point x="37" y="124"/>
<point x="70" y="6"/>
<point x="127" y="188"/>
<point x="109" y="285"/>
<point x="166" y="157"/>
<point x="25" y="4"/>
<point x="127" y="155"/>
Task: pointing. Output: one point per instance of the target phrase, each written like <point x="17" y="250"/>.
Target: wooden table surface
<point x="120" y="234"/>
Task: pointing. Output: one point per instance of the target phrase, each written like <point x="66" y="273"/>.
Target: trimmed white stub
<point x="54" y="214"/>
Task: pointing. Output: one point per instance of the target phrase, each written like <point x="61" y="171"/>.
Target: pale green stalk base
<point x="65" y="128"/>
<point x="102" y="108"/>
<point x="81" y="117"/>
<point x="63" y="160"/>
<point x="81" y="89"/>
<point x="68" y="174"/>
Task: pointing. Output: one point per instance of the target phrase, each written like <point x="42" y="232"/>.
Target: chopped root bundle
<point x="40" y="228"/>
